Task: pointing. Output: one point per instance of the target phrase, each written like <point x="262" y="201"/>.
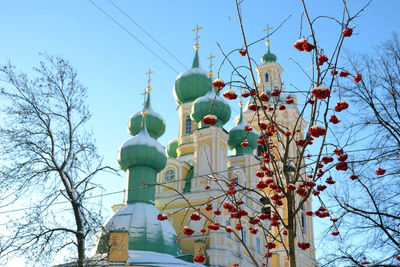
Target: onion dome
<point x="171" y="148"/>
<point x="268" y="57"/>
<point x="146" y="233"/>
<point x="192" y="84"/>
<point x="212" y="104"/>
<point x="237" y="135"/>
<point x="154" y="122"/>
<point x="142" y="150"/>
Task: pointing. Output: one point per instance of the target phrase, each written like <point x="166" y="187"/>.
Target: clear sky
<point x="112" y="64"/>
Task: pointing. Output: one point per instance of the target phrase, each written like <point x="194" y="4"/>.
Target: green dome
<point x="192" y="84"/>
<point x="204" y="105"/>
<point x="171" y="148"/>
<point x="268" y="57"/>
<point x="237" y="135"/>
<point x="154" y="122"/>
<point x="142" y="150"/>
<point x="146" y="233"/>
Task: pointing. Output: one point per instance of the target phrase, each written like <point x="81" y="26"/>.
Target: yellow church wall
<point x="275" y="260"/>
<point x="185" y="149"/>
<point x="190" y="244"/>
<point x="118" y="246"/>
<point x="178" y="181"/>
<point x="176" y="206"/>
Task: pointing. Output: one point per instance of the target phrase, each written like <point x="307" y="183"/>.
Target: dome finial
<point x="211" y="64"/>
<point x="267" y="30"/>
<point x="197" y="46"/>
<point x="268" y="57"/>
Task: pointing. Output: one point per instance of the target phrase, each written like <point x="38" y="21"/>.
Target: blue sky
<point x="112" y="64"/>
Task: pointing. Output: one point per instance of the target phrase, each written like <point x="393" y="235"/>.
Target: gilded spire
<point x="211" y="64"/>
<point x="146" y="93"/>
<point x="267" y="30"/>
<point x="148" y="89"/>
<point x="197" y="46"/>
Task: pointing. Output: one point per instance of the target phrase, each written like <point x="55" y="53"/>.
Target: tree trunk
<point x="76" y="207"/>
<point x="80" y="236"/>
<point x="291" y="233"/>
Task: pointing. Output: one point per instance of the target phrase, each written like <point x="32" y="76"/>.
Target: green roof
<point x="171" y="148"/>
<point x="237" y="135"/>
<point x="154" y="122"/>
<point x="146" y="233"/>
<point x="142" y="150"/>
<point x="192" y="83"/>
<point x="268" y="57"/>
<point x="212" y="104"/>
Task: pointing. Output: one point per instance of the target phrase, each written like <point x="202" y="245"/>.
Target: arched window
<point x="169" y="175"/>
<point x="188" y="125"/>
<point x="266" y="77"/>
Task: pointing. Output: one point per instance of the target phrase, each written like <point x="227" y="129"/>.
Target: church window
<point x="169" y="175"/>
<point x="267" y="210"/>
<point x="261" y="149"/>
<point x="266" y="77"/>
<point x="303" y="221"/>
<point x="228" y="223"/>
<point x="244" y="234"/>
<point x="258" y="245"/>
<point x="188" y="125"/>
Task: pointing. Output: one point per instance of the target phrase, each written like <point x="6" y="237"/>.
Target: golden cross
<point x="211" y="64"/>
<point x="196" y="46"/>
<point x="149" y="80"/>
<point x="267" y="30"/>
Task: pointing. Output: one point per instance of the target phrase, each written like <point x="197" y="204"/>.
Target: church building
<point x="175" y="211"/>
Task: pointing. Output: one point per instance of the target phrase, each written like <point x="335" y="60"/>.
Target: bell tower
<point x="269" y="73"/>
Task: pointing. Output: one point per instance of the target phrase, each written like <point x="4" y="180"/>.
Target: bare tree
<point x="368" y="204"/>
<point x="48" y="161"/>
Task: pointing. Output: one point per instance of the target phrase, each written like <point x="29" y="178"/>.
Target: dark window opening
<point x="188" y="125"/>
<point x="261" y="149"/>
